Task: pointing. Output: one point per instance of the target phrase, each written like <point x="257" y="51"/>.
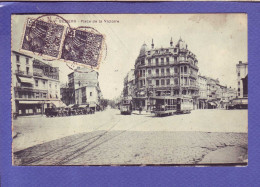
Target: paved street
<point x="105" y="138"/>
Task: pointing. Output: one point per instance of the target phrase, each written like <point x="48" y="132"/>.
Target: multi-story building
<point x="90" y="95"/>
<point x="160" y="72"/>
<point x="81" y="77"/>
<point x="129" y="84"/>
<point x="83" y="88"/>
<point x="231" y="93"/>
<point x="31" y="80"/>
<point x="67" y="94"/>
<point x="202" y="83"/>
<point x="242" y="79"/>
<point x="212" y="94"/>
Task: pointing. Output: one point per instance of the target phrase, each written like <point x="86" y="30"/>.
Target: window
<point x="141" y="83"/>
<point x="140" y="73"/>
<point x="238" y="74"/>
<point x="157" y="71"/>
<point x="157" y="83"/>
<point x="27" y="70"/>
<point x="162" y="71"/>
<point x="17" y="58"/>
<point x="238" y="89"/>
<point x="27" y="60"/>
<point x="162" y="61"/>
<point x="167" y="60"/>
<point x="142" y="62"/>
<point x="157" y="61"/>
<point x="168" y="81"/>
<point x="90" y="93"/>
<point x="168" y="71"/>
<point x="162" y="82"/>
<point x="175" y="70"/>
<point x="50" y="85"/>
<point x="149" y="71"/>
<point x="43" y="82"/>
<point x="18" y="68"/>
<point x="37" y="95"/>
<point x="149" y="81"/>
<point x="36" y="83"/>
<point x="238" y="83"/>
<point x="56" y="86"/>
<point x="44" y="95"/>
<point x="167" y="50"/>
<point x="175" y="50"/>
<point x="149" y="52"/>
<point x="181" y="69"/>
<point x="149" y="62"/>
<point x="176" y="82"/>
<point x="185" y="69"/>
<point x="175" y="59"/>
<point x="144" y="73"/>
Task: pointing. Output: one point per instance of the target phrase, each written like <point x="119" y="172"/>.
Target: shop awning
<point x="92" y="105"/>
<point x="26" y="80"/>
<point x="58" y="103"/>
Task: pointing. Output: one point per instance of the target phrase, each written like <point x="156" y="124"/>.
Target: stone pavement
<point x="136" y="148"/>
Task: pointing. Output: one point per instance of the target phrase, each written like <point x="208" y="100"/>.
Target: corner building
<point x="161" y="72"/>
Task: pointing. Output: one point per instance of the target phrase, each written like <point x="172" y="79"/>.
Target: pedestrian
<point x="140" y="110"/>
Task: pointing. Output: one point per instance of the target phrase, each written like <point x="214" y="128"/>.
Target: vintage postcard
<point x="129" y="89"/>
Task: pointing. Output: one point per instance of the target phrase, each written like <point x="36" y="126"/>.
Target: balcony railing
<point x="30" y="89"/>
<point x="163" y="75"/>
<point x="39" y="74"/>
<point x="23" y="73"/>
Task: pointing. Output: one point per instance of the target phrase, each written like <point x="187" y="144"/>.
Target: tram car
<point x="126" y="106"/>
<point x="172" y="105"/>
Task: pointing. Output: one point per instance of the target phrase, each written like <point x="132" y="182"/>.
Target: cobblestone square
<point x="114" y="139"/>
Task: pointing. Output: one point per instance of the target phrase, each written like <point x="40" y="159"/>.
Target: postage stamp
<point x="43" y="38"/>
<point x="83" y="47"/>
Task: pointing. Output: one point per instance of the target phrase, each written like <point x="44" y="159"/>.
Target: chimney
<point x="240" y="62"/>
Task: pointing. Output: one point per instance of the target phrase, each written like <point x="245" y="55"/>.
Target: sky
<point x="218" y="40"/>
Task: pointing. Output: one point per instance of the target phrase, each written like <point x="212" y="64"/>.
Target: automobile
<point x="51" y="112"/>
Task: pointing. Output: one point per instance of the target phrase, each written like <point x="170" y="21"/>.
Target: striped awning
<point x="26" y="80"/>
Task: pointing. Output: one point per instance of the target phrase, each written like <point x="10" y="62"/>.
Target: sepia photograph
<point x="129" y="89"/>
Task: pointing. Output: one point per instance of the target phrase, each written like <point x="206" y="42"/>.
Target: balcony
<point x="28" y="89"/>
<point x="184" y="62"/>
<point x="23" y="73"/>
<point x="193" y="76"/>
<point x="190" y="86"/>
<point x="38" y="74"/>
<point x="163" y="75"/>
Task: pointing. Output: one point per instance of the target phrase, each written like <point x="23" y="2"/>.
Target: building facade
<point x="203" y="96"/>
<point x="35" y="85"/>
<point x="82" y="88"/>
<point x="242" y="79"/>
<point x="129" y="84"/>
<point x="88" y="95"/>
<point x="170" y="71"/>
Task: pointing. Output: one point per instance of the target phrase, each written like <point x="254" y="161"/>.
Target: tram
<point x="126" y="106"/>
<point x="172" y="105"/>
